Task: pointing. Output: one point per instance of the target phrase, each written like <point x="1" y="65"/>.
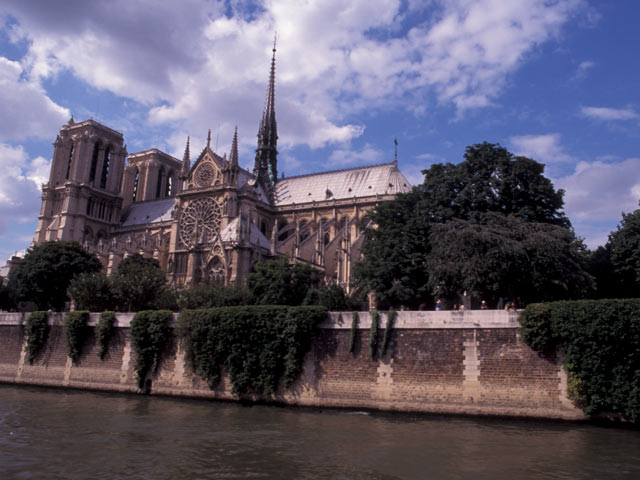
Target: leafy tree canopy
<point x="44" y="274"/>
<point x="91" y="291"/>
<point x="491" y="225"/>
<point x="277" y="282"/>
<point x="138" y="283"/>
<point x="624" y="245"/>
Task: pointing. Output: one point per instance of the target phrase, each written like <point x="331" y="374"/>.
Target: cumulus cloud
<point x="596" y="195"/>
<point x="197" y="62"/>
<point x="19" y="185"/>
<point x="609" y="114"/>
<point x="546" y="148"/>
<point x="343" y="158"/>
<point x="25" y="109"/>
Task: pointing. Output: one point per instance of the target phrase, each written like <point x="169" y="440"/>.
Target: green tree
<point x="91" y="291"/>
<point x="7" y="295"/>
<point x="491" y="225"/>
<point x="624" y="245"/>
<point x="44" y="274"/>
<point x="138" y="283"/>
<point x="277" y="282"/>
<point x="211" y="296"/>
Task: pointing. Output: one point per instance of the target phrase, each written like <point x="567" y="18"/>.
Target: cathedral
<point x="208" y="220"/>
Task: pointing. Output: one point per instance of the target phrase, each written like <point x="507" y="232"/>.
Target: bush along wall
<point x="104" y="332"/>
<point x="391" y="318"/>
<point x="150" y="332"/>
<point x="258" y="346"/>
<point x="36" y="329"/>
<point x="355" y="320"/>
<point x="76" y="331"/>
<point x="600" y="340"/>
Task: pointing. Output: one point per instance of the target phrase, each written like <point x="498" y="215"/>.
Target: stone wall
<point x="469" y="362"/>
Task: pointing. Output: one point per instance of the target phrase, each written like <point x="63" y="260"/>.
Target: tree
<point x="138" y="283"/>
<point x="277" y="282"/>
<point x="491" y="225"/>
<point x="211" y="296"/>
<point x="91" y="291"/>
<point x="624" y="245"/>
<point x="46" y="270"/>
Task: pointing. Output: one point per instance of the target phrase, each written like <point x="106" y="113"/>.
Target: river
<point x="65" y="434"/>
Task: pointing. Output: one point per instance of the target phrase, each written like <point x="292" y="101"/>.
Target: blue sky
<point x="557" y="81"/>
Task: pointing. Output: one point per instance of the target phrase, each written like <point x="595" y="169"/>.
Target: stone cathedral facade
<point x="208" y="220"/>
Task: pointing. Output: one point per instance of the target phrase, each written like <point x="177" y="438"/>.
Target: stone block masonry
<point x="469" y="362"/>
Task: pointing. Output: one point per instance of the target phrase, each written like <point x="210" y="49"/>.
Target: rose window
<point x="200" y="222"/>
<point x="205" y="175"/>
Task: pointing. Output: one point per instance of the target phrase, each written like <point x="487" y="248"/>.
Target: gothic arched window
<point x="135" y="184"/>
<point x="105" y="167"/>
<point x="159" y="184"/>
<point x="94" y="162"/>
<point x="70" y="160"/>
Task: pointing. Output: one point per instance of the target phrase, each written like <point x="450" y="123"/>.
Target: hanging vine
<point x="104" y="332"/>
<point x="76" y="331"/>
<point x="36" y="329"/>
<point x="354" y="330"/>
<point x="391" y="317"/>
<point x="150" y="332"/>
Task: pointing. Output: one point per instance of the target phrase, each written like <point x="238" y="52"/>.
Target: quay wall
<point x="469" y="362"/>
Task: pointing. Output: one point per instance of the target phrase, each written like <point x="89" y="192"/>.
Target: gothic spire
<point x="233" y="156"/>
<point x="209" y="139"/>
<point x="266" y="163"/>
<point x="395" y="157"/>
<point x="186" y="159"/>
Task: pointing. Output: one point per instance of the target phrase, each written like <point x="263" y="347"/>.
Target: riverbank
<point x="469" y="363"/>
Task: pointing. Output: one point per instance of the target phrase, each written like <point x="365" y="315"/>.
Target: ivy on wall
<point x="36" y="329"/>
<point x="76" y="331"/>
<point x="355" y="319"/>
<point x="600" y="341"/>
<point x="104" y="332"/>
<point x="373" y="336"/>
<point x="150" y="332"/>
<point x="257" y="345"/>
<point x="391" y="317"/>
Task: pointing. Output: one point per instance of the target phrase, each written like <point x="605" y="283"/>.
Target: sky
<point x="557" y="81"/>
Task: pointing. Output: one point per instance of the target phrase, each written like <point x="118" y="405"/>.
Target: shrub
<point x="150" y="332"/>
<point x="599" y="339"/>
<point x="36" y="329"/>
<point x="91" y="291"/>
<point x="257" y="345"/>
<point x="212" y="296"/>
<point x="104" y="332"/>
<point x="75" y="326"/>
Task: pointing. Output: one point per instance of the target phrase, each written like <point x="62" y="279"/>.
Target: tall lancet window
<point x="169" y="190"/>
<point x="94" y="162"/>
<point x="105" y="168"/>
<point x="159" y="184"/>
<point x="135" y="185"/>
<point x="69" y="161"/>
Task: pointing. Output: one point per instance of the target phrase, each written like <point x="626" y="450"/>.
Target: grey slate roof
<point x="148" y="212"/>
<point x="381" y="179"/>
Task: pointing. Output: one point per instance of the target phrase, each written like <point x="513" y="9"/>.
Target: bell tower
<point x="82" y="201"/>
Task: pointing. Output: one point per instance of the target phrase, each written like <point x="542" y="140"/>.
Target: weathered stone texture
<point x="439" y="365"/>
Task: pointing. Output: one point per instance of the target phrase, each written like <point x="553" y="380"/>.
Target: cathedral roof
<point x="141" y="213"/>
<point x="384" y="179"/>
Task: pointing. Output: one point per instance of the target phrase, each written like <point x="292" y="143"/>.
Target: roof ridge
<point x="363" y="167"/>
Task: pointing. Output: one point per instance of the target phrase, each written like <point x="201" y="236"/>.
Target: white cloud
<point x="193" y="63"/>
<point x="583" y="68"/>
<point x="596" y="195"/>
<point x="542" y="148"/>
<point x="25" y="109"/>
<point x="19" y="185"/>
<point x="343" y="158"/>
<point x="608" y="114"/>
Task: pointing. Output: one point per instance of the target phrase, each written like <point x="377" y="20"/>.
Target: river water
<point x="51" y="434"/>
